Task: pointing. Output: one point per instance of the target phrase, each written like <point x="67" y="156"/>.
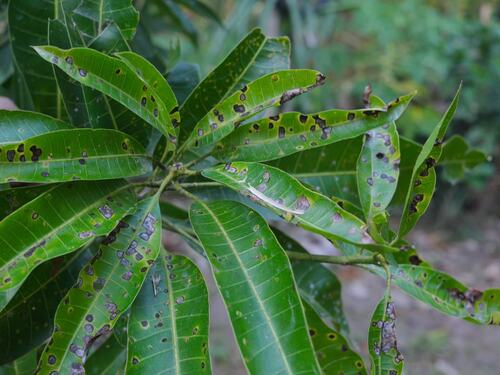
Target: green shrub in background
<point x="91" y="177"/>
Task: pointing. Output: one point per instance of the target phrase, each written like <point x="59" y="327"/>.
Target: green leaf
<point x="201" y="9"/>
<point x="75" y="154"/>
<point x="378" y="168"/>
<point x="102" y="12"/>
<point x="109" y="359"/>
<point x="19" y="125"/>
<point x="59" y="221"/>
<point x="270" y="90"/>
<point x="423" y="179"/>
<point x="318" y="286"/>
<point x="382" y="343"/>
<point x="11" y="200"/>
<point x="35" y="83"/>
<point x="114" y="78"/>
<point x="36" y="302"/>
<point x="237" y="66"/>
<point x="285" y="195"/>
<point x="25" y="365"/>
<point x="168" y="325"/>
<point x="255" y="279"/>
<point x="332" y="350"/>
<point x="183" y="78"/>
<point x="179" y="19"/>
<point x="288" y="133"/>
<point x="457" y="158"/>
<point x="105" y="289"/>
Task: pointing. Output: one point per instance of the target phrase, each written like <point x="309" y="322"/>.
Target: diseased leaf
<point x="102" y="12"/>
<point x="109" y="359"/>
<point x="423" y="179"/>
<point x="59" y="221"/>
<point x="286" y="196"/>
<point x="19" y="125"/>
<point x="378" y="168"/>
<point x="385" y="357"/>
<point x="457" y="158"/>
<point x="112" y="77"/>
<point x="318" y="286"/>
<point x="271" y="90"/>
<point x="105" y="289"/>
<point x="36" y="302"/>
<point x="25" y="365"/>
<point x="288" y="133"/>
<point x="168" y="326"/>
<point x="75" y="154"/>
<point x="332" y="350"/>
<point x="11" y="200"/>
<point x="255" y="279"/>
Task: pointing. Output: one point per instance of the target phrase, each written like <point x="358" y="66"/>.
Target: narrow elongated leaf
<point x="457" y="158"/>
<point x="11" y="200"/>
<point x="332" y="349"/>
<point x="423" y="179"/>
<point x="19" y="125"/>
<point x="25" y="365"/>
<point x="112" y="77"/>
<point x="105" y="289"/>
<point x="283" y="194"/>
<point x="183" y="78"/>
<point x="36" y="302"/>
<point x="109" y="359"/>
<point x="28" y="24"/>
<point x="201" y="9"/>
<point x="74" y="154"/>
<point x="288" y="133"/>
<point x="378" y="168"/>
<point x="318" y="286"/>
<point x="271" y="90"/>
<point x="385" y="357"/>
<point x="256" y="282"/>
<point x="58" y="222"/>
<point x="198" y="104"/>
<point x="168" y="325"/>
<point x="102" y="12"/>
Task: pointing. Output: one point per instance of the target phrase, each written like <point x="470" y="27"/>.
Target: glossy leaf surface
<point x="109" y="359"/>
<point x="385" y="356"/>
<point x="36" y="302"/>
<point x="378" y="167"/>
<point x="423" y="179"/>
<point x="74" y="154"/>
<point x="12" y="199"/>
<point x="168" y="326"/>
<point x="112" y="77"/>
<point x="332" y="350"/>
<point x="255" y="279"/>
<point x="19" y="125"/>
<point x="58" y="222"/>
<point x="271" y="90"/>
<point x="105" y="289"/>
<point x="282" y="193"/>
<point x="288" y="133"/>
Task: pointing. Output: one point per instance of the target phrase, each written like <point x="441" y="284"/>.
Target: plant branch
<point x="199" y="184"/>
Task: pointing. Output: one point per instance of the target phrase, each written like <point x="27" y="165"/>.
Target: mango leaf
<point x="19" y="125"/>
<point x="109" y="359"/>
<point x="227" y="75"/>
<point x="36" y="302"/>
<point x="75" y="154"/>
<point x="409" y="151"/>
<point x="378" y="168"/>
<point x="332" y="350"/>
<point x="11" y="200"/>
<point x="288" y="133"/>
<point x="183" y="78"/>
<point x="270" y="90"/>
<point x="385" y="357"/>
<point x="25" y="365"/>
<point x="35" y="83"/>
<point x="59" y="221"/>
<point x="457" y="158"/>
<point x="423" y="179"/>
<point x="105" y="289"/>
<point x="168" y="325"/>
<point x="318" y="286"/>
<point x="285" y="195"/>
<point x="255" y="279"/>
<point x="201" y="9"/>
<point x="102" y="12"/>
<point x="114" y="78"/>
